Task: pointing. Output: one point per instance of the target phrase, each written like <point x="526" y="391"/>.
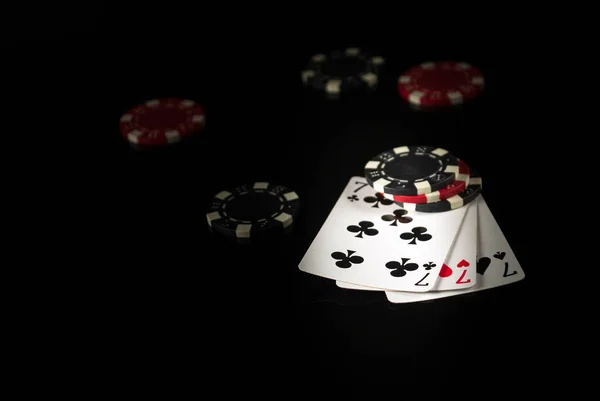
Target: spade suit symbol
<point x="482" y="265"/>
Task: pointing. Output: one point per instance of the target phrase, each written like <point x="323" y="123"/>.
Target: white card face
<point x="369" y="240"/>
<point x="459" y="271"/>
<point x="496" y="266"/>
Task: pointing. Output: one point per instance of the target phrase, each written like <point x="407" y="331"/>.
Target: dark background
<point x="181" y="298"/>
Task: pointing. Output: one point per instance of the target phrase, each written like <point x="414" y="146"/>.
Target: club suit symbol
<point x="399" y="269"/>
<point x="346" y="260"/>
<point x="416" y="234"/>
<point x="378" y="199"/>
<point x="363" y="227"/>
<point x="429" y="266"/>
<point x="398" y="216"/>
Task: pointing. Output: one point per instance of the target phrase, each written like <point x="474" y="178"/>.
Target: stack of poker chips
<point x="423" y="178"/>
<point x="405" y="231"/>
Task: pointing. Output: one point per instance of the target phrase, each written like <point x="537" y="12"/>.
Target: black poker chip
<point x="341" y="72"/>
<point x="412" y="170"/>
<point x="252" y="211"/>
<point x="463" y="198"/>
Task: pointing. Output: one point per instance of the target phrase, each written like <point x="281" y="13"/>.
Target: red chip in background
<point x="443" y="83"/>
<point x="162" y="121"/>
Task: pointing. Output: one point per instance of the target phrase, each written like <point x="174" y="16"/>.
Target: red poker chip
<point x="443" y="83"/>
<point x="162" y="121"/>
<point x="457" y="186"/>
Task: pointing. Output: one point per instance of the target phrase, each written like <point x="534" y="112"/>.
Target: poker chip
<point x="412" y="170"/>
<point x="454" y="188"/>
<point x="343" y="72"/>
<point x="442" y="83"/>
<point x="162" y="121"/>
<point x="454" y="202"/>
<point x="252" y="210"/>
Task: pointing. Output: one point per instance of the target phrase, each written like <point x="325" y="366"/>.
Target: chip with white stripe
<point x="454" y="202"/>
<point x="253" y="211"/>
<point x="443" y="83"/>
<point x="412" y="170"/>
<point x="341" y="72"/>
<point x="454" y="188"/>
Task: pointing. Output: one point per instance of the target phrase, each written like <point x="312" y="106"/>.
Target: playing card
<point x="459" y="269"/>
<point x="496" y="264"/>
<point x="369" y="240"/>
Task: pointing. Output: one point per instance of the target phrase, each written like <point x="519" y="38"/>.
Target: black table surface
<point x="192" y="298"/>
<point x="262" y="126"/>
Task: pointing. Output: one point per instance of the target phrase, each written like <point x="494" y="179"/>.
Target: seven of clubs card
<point x="496" y="264"/>
<point x="459" y="269"/>
<point x="368" y="240"/>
